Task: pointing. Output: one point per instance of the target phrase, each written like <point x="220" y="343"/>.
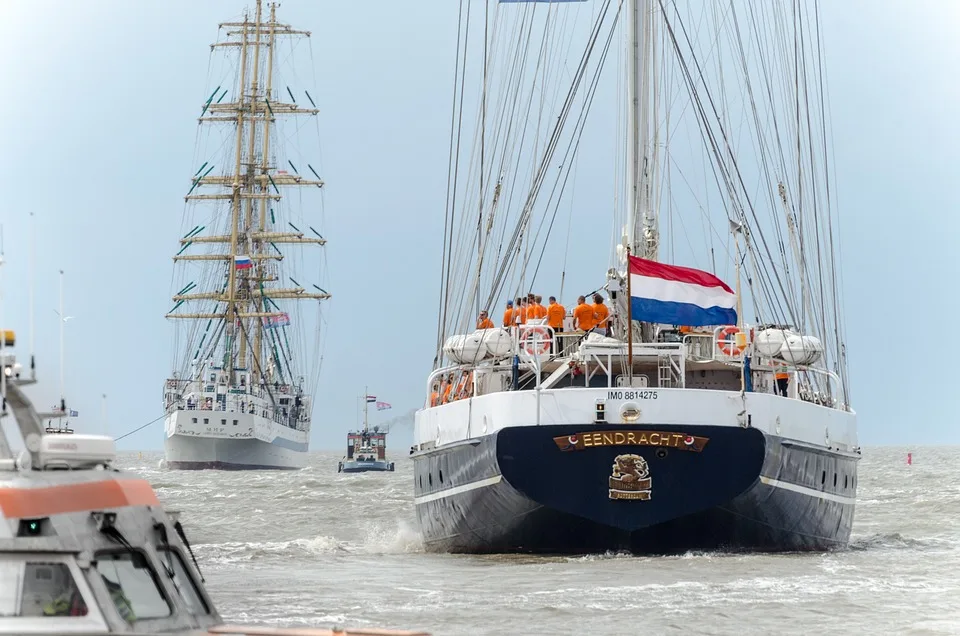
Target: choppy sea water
<point x="315" y="547"/>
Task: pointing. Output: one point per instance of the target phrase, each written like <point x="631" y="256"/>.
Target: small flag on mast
<point x="242" y="262"/>
<point x="272" y="322"/>
<point x="371" y="398"/>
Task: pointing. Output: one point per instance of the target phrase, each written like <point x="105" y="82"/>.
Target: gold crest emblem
<point x="630" y="478"/>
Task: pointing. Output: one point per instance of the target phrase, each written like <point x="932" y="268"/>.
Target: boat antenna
<point x="63" y="320"/>
<point x="3" y="334"/>
<point x="33" y="263"/>
<point x="366" y="393"/>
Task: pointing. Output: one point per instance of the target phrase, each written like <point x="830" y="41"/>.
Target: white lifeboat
<point x="465" y="349"/>
<point x="497" y="341"/>
<point x="802" y="350"/>
<point x="769" y="342"/>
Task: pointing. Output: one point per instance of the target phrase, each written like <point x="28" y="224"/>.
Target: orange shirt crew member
<point x="583" y="315"/>
<point x="600" y="313"/>
<point x="508" y="315"/>
<point x="484" y="321"/>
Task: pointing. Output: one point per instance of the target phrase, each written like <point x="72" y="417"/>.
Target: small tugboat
<point x="87" y="548"/>
<point x="367" y="449"/>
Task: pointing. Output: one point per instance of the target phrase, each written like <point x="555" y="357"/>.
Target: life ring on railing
<point x="727" y="341"/>
<point x="527" y="341"/>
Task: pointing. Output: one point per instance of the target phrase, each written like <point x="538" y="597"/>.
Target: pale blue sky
<point x="97" y="132"/>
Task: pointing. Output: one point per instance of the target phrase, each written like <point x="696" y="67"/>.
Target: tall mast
<point x="644" y="234"/>
<point x="248" y="189"/>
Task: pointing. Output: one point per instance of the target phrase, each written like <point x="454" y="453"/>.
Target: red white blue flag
<point x="674" y="295"/>
<point x="382" y="406"/>
<point x="242" y="262"/>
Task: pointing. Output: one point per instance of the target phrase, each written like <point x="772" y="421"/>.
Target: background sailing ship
<point x="247" y="346"/>
<point x="670" y="431"/>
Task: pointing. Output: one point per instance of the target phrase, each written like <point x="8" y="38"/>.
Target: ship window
<point x="845" y="481"/>
<point x="430" y="478"/>
<point x="182" y="580"/>
<point x="133" y="585"/>
<point x="441" y="476"/>
<point x="35" y="588"/>
<point x="834" y="480"/>
<point x="234" y="422"/>
<point x="194" y="420"/>
<point x="823" y="478"/>
<point x="206" y="420"/>
<point x="223" y="422"/>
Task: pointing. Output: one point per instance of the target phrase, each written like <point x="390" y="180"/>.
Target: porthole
<point x="661" y="452"/>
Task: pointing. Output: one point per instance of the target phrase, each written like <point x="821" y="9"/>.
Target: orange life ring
<point x="526" y="341"/>
<point x="727" y="343"/>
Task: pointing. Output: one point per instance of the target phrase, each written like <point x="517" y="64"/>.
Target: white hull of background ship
<point x="248" y="355"/>
<point x="681" y="427"/>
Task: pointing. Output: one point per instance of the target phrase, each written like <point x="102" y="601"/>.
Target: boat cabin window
<point x="133" y="585"/>
<point x="183" y="581"/>
<point x="38" y="589"/>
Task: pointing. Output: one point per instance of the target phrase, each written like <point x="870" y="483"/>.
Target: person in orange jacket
<point x="484" y="322"/>
<point x="555" y="315"/>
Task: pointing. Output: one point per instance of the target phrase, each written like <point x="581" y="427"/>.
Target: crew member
<point x="584" y="318"/>
<point x="783" y="380"/>
<point x="484" y="322"/>
<point x="555" y="315"/>
<point x="600" y="313"/>
<point x="508" y="315"/>
<point x="520" y="312"/>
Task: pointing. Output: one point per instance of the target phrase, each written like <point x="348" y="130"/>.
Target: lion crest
<point x="630" y="478"/>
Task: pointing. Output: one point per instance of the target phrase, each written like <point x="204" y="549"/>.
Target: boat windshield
<point x="133" y="585"/>
<point x="183" y="581"/>
<point x="34" y="588"/>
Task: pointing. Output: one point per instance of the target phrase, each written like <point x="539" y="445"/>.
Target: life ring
<point x="526" y="341"/>
<point x="727" y="343"/>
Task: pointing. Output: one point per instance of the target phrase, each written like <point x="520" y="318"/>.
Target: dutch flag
<point x="673" y="295"/>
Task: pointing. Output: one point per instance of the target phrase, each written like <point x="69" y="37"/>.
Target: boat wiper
<point x="183" y="537"/>
<point x="107" y="528"/>
<point x="162" y="531"/>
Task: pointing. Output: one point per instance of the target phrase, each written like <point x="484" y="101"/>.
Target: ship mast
<point x="644" y="238"/>
<point x="252" y="189"/>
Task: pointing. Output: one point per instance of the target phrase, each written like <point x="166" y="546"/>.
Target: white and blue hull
<point x="770" y="473"/>
<point x="198" y="440"/>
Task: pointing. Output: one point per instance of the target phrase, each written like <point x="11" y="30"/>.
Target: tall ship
<point x="367" y="447"/>
<point x="693" y="394"/>
<point x="247" y="331"/>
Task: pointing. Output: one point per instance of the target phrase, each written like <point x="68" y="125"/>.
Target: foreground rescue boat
<point x="87" y="548"/>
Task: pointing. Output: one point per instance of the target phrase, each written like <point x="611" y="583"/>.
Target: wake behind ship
<point x="247" y="346"/>
<point x="647" y="415"/>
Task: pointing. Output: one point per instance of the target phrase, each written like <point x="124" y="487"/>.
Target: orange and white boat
<point x="86" y="548"/>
